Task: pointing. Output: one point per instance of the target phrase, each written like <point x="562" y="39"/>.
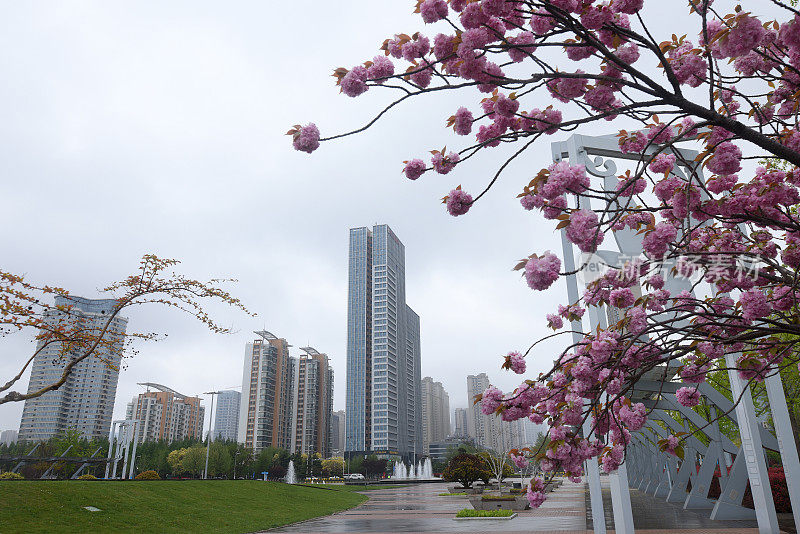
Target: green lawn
<point x="165" y="506"/>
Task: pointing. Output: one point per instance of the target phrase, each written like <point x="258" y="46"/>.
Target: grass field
<point x="235" y="506"/>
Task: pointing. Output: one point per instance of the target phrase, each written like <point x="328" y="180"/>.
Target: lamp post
<point x="210" y="423"/>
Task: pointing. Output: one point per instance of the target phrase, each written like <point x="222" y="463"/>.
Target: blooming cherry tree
<point x="728" y="88"/>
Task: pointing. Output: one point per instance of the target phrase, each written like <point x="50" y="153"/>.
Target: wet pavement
<point x="419" y="508"/>
<point x="656" y="515"/>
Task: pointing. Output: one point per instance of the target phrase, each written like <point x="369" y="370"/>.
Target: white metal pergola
<point x="646" y="468"/>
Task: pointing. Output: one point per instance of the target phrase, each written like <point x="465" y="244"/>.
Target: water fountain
<point x="426" y="469"/>
<point x="290" y="476"/>
<point x="422" y="471"/>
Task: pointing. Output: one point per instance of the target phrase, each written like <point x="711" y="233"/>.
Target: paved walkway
<point x="419" y="508"/>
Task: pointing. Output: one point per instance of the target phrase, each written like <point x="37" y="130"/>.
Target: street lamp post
<point x="210" y="431"/>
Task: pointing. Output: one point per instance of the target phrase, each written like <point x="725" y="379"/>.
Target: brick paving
<point x="419" y="508"/>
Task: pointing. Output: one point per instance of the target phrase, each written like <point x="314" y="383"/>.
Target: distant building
<point x="85" y="401"/>
<point x="490" y="431"/>
<point x="435" y="413"/>
<point x="165" y="414"/>
<point x="383" y="348"/>
<point x="337" y="433"/>
<point x="226" y="415"/>
<point x="477" y="423"/>
<point x="7" y="437"/>
<point x="460" y="423"/>
<point x="440" y="449"/>
<point x="313" y="402"/>
<point x="265" y="414"/>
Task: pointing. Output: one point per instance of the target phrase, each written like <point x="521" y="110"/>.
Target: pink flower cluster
<point x="535" y="493"/>
<point x="458" y="202"/>
<point x="541" y="272"/>
<point x="516" y="362"/>
<point x="584" y="230"/>
<point x="307" y="138"/>
<point x="688" y="396"/>
<point x="444" y="164"/>
<point x="414" y="169"/>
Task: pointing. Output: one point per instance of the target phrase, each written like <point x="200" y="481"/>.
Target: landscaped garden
<point x="166" y="506"/>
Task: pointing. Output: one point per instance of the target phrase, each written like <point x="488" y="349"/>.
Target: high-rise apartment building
<point x="383" y="348"/>
<point x="477" y="423"/>
<point x="435" y="413"/>
<point x="337" y="432"/>
<point x="460" y="423"/>
<point x="313" y="403"/>
<point x="85" y="401"/>
<point x="490" y="431"/>
<point x="226" y="415"/>
<point x="165" y="414"/>
<point x="265" y="415"/>
<point x="7" y="437"/>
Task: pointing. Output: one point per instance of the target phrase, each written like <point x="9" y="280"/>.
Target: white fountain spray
<point x="290" y="476"/>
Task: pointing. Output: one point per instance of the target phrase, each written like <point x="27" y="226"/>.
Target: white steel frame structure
<point x="646" y="468"/>
<point x="122" y="435"/>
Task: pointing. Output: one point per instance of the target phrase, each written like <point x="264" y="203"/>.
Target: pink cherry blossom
<point x="458" y="202"/>
<point x="307" y="139"/>
<point x="463" y="121"/>
<point x="444" y="164"/>
<point x="688" y="396"/>
<point x="583" y="230"/>
<point x="541" y="272"/>
<point x="517" y="362"/>
<point x="433" y="10"/>
<point x="414" y="169"/>
<point x="354" y="82"/>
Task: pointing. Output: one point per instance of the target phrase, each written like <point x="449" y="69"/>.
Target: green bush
<point x="497" y="498"/>
<point x="87" y="477"/>
<point x="147" y="475"/>
<point x="468" y="512"/>
<point x="466" y="469"/>
<point x="8" y="475"/>
<point x="448" y="494"/>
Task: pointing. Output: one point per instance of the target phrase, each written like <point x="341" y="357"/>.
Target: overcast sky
<point x="158" y="127"/>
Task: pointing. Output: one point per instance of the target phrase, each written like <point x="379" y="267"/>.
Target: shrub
<point x="87" y="477"/>
<point x="466" y="469"/>
<point x="467" y="512"/>
<point x="777" y="482"/>
<point x="497" y="498"/>
<point x="8" y="475"/>
<point x="148" y="475"/>
<point x="446" y="494"/>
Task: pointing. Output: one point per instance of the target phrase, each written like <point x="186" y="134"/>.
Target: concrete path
<point x="419" y="508"/>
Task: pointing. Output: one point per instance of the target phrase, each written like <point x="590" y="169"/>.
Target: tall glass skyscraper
<point x="383" y="348"/>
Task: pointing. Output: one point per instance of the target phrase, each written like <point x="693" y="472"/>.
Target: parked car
<point x="354" y="476"/>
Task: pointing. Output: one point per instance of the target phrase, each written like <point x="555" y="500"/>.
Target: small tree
<point x="175" y="461"/>
<point x="466" y="469"/>
<point x="194" y="460"/>
<point x="24" y="307"/>
<point x="374" y="466"/>
<point x="332" y="467"/>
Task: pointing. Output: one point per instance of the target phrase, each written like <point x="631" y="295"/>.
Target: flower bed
<point x="452" y="494"/>
<point x="466" y="512"/>
<point x="500" y="502"/>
